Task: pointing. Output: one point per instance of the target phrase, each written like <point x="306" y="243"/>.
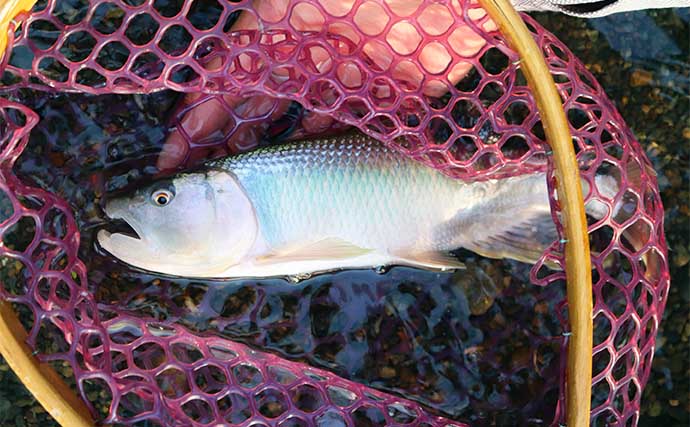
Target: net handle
<point x="39" y="378"/>
<point x="577" y="256"/>
<point x="9" y="9"/>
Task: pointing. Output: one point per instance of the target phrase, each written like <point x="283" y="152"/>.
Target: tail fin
<point x="634" y="235"/>
<point x="524" y="231"/>
<point x="608" y="187"/>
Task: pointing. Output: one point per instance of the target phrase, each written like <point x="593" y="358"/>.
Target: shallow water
<point x="468" y="345"/>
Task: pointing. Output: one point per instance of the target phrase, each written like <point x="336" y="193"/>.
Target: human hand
<point x="212" y="119"/>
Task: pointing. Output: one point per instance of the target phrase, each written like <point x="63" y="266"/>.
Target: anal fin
<point x="430" y="260"/>
<point x="329" y="248"/>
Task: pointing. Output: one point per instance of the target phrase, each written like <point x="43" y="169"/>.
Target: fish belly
<point x="299" y="268"/>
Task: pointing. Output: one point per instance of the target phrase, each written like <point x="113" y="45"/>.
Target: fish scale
<point x="349" y="185"/>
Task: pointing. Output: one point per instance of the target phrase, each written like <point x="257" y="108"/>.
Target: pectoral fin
<point x="330" y="248"/>
<point x="430" y="260"/>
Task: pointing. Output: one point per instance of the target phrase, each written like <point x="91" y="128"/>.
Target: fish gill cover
<point x="470" y="115"/>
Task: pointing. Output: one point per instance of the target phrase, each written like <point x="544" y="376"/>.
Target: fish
<point x="321" y="205"/>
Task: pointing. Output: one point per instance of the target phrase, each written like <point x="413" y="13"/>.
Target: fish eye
<point x="161" y="197"/>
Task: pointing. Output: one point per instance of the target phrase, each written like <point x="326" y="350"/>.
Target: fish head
<point x="194" y="225"/>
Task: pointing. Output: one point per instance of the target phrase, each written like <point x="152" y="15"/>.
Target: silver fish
<point x="321" y="205"/>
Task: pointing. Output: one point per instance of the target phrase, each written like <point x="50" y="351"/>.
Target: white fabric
<point x="617" y="6"/>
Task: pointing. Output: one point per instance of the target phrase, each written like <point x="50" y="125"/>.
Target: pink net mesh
<point x="452" y="95"/>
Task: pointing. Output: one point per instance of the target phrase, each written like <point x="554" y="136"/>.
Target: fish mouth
<point x="118" y="223"/>
<point x="120" y="226"/>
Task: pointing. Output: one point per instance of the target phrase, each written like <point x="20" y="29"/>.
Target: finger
<point x="404" y="39"/>
<point x="315" y="123"/>
<point x="173" y="153"/>
<point x="261" y="111"/>
<point x="197" y="124"/>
